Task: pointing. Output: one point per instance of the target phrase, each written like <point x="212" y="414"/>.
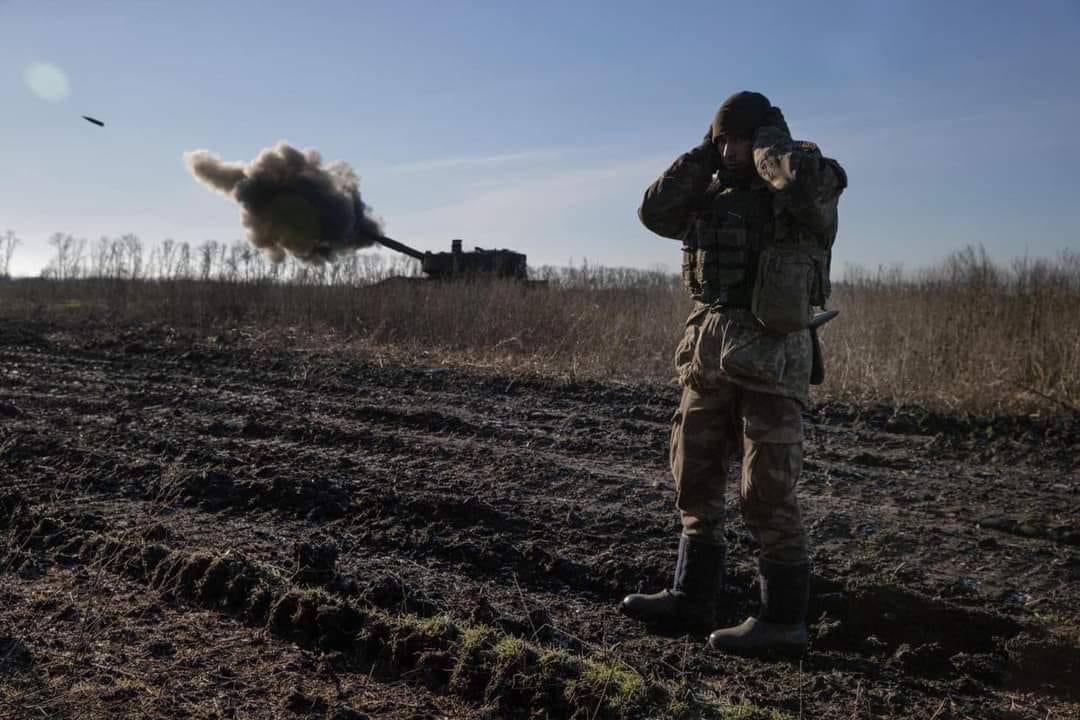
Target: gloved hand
<point x="707" y="154"/>
<point x="774" y="157"/>
<point x="774" y="119"/>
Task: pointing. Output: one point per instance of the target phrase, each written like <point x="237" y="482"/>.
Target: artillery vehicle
<point x="456" y="264"/>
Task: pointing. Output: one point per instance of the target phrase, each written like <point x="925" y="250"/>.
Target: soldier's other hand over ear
<point x="708" y="139"/>
<point x="707" y="153"/>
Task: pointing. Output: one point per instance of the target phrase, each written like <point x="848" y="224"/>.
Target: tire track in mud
<point x="474" y="662"/>
<point x="395" y="438"/>
<point x="455" y="388"/>
<point x="415" y="510"/>
<point x="499" y="426"/>
<point x="428" y="479"/>
<point x="388" y="515"/>
<point x="865" y="624"/>
<point x="316" y="435"/>
<point x="133" y="655"/>
<point x="979" y="648"/>
<point x="641" y="444"/>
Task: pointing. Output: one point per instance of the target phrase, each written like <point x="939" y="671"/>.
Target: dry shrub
<point x="595" y="332"/>
<point x="967" y="335"/>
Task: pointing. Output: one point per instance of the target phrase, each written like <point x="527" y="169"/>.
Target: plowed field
<point x="252" y="528"/>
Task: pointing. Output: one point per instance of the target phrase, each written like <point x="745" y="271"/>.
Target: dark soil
<point x="207" y="529"/>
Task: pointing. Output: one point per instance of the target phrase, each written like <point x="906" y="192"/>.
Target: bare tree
<point x="165" y="258"/>
<point x="99" y="258"/>
<point x="67" y="263"/>
<point x="183" y="261"/>
<point x="232" y="261"/>
<point x="117" y="261"/>
<point x="207" y="253"/>
<point x="133" y="247"/>
<point x="222" y="252"/>
<point x="8" y="243"/>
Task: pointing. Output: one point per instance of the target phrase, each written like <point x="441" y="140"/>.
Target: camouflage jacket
<point x="795" y="196"/>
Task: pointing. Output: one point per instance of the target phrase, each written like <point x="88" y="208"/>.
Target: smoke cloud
<point x="291" y="203"/>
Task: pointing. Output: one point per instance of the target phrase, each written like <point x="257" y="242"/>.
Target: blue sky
<point x="537" y="126"/>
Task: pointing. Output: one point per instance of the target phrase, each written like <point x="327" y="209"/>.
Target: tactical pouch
<point x="746" y="352"/>
<point x="788" y="279"/>
<point x="716" y="266"/>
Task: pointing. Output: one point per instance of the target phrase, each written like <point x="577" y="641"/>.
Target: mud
<point x="438" y="541"/>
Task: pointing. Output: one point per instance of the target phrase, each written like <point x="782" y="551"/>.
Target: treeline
<point x="125" y="258"/>
<point x="967" y="334"/>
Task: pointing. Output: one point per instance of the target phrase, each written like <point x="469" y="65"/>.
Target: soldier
<point x="757" y="215"/>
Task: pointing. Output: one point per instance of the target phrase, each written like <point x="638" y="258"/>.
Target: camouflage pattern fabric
<point x="724" y="343"/>
<point x="672" y="202"/>
<point x="744" y="385"/>
<point x="706" y="435"/>
<point x="807" y="185"/>
<point x="728" y="346"/>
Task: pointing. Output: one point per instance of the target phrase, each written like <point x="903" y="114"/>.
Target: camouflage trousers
<point x="706" y="435"/>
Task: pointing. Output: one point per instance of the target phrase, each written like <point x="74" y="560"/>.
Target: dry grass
<point x="967" y="335"/>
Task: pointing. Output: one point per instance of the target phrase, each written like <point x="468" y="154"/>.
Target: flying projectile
<point x="97" y="122"/>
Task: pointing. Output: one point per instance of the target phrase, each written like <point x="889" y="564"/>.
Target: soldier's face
<point x="737" y="154"/>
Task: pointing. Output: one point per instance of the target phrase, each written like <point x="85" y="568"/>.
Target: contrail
<point x="291" y="203"/>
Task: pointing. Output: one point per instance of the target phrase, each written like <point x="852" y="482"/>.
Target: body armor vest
<point x="724" y="245"/>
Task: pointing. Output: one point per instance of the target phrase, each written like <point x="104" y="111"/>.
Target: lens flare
<point x="47" y="81"/>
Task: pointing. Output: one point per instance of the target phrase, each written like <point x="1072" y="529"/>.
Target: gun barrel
<point x="400" y="247"/>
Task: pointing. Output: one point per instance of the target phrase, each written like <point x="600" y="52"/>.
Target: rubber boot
<point x="780" y="628"/>
<point x="691" y="601"/>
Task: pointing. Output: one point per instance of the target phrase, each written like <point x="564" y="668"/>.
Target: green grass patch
<point x="617" y="685"/>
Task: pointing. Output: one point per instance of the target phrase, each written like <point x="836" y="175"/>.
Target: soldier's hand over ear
<point x="707" y="154"/>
